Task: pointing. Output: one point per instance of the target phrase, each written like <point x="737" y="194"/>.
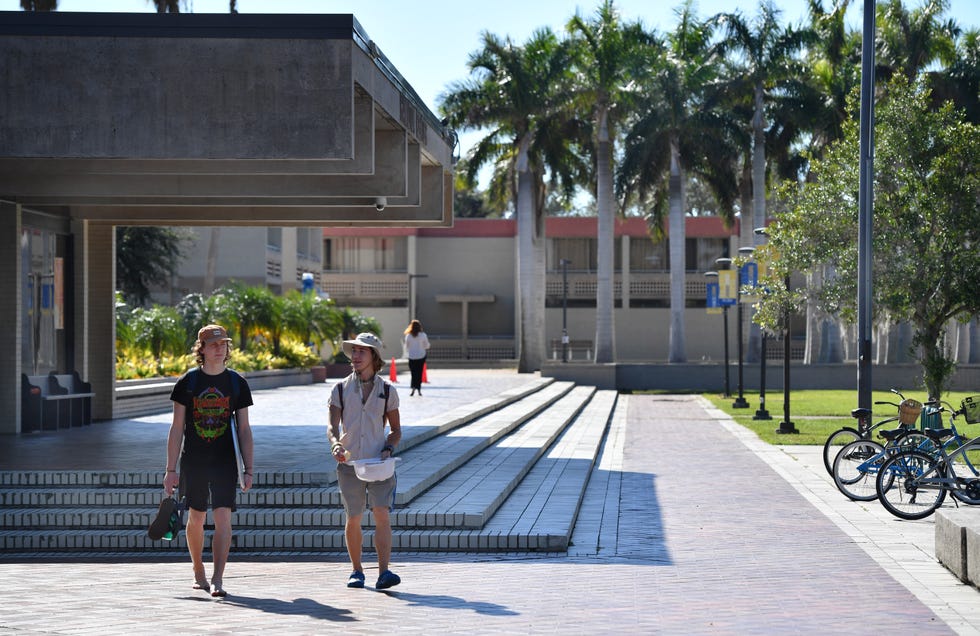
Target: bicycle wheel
<point x="965" y="468"/>
<point x="855" y="468"/>
<point x="899" y="489"/>
<point x="837" y="440"/>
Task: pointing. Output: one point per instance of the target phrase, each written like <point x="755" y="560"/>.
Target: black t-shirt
<point x="210" y="401"/>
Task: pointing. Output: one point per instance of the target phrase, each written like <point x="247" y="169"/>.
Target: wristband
<point x="171" y="471"/>
<point x="388" y="448"/>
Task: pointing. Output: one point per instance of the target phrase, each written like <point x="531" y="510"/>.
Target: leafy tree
<point x="39" y="5"/>
<point x="312" y="319"/>
<point x="147" y="256"/>
<point x="197" y="310"/>
<point x="157" y="330"/>
<point x="469" y="202"/>
<point x="352" y="323"/>
<point x="243" y="307"/>
<point x="611" y="54"/>
<point x="521" y="94"/>
<point x="683" y="130"/>
<point x="925" y="226"/>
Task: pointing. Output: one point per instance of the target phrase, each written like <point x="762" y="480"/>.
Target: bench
<point x="53" y="401"/>
<point x="583" y="348"/>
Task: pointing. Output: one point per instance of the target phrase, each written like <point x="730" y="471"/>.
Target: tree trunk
<point x="211" y="264"/>
<point x="758" y="217"/>
<point x="530" y="241"/>
<point x="605" y="266"/>
<point x="678" y="260"/>
<point x="974" y="356"/>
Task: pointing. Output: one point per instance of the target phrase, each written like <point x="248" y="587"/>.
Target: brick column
<point x="95" y="322"/>
<point x="11" y="314"/>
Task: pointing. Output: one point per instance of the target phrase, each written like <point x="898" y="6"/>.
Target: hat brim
<point x="348" y="347"/>
<point x="213" y="339"/>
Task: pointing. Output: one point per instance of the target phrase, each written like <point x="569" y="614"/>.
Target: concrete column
<point x="290" y="262"/>
<point x="95" y="319"/>
<point x="625" y="270"/>
<point x="11" y="314"/>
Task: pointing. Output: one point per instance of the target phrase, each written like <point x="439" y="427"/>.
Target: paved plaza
<point x="690" y="525"/>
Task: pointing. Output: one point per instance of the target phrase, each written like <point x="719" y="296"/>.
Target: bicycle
<point x="847" y="434"/>
<point x="857" y="464"/>
<point x="912" y="484"/>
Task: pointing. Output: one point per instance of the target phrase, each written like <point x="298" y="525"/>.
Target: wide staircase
<point x="507" y="473"/>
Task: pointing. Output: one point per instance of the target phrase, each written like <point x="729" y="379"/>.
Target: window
<point x="365" y="254"/>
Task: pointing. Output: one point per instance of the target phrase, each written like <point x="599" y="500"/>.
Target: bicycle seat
<point x="893" y="434"/>
<point x="936" y="434"/>
<point x="861" y="413"/>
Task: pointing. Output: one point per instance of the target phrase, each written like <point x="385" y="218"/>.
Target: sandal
<point x="217" y="591"/>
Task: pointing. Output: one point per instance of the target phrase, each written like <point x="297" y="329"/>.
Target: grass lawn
<point x="817" y="414"/>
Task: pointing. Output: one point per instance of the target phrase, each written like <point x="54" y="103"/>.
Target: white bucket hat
<point x="365" y="339"/>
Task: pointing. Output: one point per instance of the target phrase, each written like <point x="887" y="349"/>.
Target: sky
<point x="429" y="41"/>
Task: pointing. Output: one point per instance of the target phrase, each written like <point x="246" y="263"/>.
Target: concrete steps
<point x="502" y="474"/>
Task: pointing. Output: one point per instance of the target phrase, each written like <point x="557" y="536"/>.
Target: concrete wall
<point x="711" y="377"/>
<point x="270" y="107"/>
<point x="466" y="266"/>
<point x="11" y="312"/>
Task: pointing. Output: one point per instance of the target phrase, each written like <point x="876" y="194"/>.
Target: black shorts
<point x="214" y="482"/>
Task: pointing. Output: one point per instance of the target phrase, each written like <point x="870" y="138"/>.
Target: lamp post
<point x="786" y="426"/>
<point x="762" y="413"/>
<point x="726" y="263"/>
<point x="564" y="308"/>
<point x="713" y="301"/>
<point x="740" y="402"/>
<point x="411" y="298"/>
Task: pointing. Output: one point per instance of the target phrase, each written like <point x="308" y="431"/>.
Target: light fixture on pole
<point x="786" y="426"/>
<point x="740" y="402"/>
<point x="725" y="302"/>
<point x="411" y="296"/>
<point x="564" y="308"/>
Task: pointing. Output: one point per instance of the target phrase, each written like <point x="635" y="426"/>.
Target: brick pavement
<point x="696" y="528"/>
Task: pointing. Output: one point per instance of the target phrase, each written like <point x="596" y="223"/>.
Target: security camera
<point x="380" y="203"/>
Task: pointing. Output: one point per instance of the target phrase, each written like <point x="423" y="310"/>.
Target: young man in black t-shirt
<point x="204" y="400"/>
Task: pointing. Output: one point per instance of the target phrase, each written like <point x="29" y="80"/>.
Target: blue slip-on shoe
<point x="386" y="580"/>
<point x="356" y="579"/>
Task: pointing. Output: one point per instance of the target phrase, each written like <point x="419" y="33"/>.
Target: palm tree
<point x="521" y="94"/>
<point x="909" y="42"/>
<point x="683" y="131"/>
<point x="611" y="56"/>
<point x="764" y="64"/>
<point x="314" y="320"/>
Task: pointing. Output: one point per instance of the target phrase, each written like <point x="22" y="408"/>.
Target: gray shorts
<point x="359" y="495"/>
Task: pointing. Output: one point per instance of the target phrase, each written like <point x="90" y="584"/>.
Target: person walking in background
<point x="416" y="348"/>
<point x="206" y="471"/>
<point x="359" y="406"/>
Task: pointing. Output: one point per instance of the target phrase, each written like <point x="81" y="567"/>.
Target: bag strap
<point x="387" y="391"/>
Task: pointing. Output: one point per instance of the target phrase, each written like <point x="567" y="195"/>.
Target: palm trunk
<point x="212" y="259"/>
<point x="605" y="322"/>
<point x="530" y="241"/>
<point x="678" y="260"/>
<point x="758" y="217"/>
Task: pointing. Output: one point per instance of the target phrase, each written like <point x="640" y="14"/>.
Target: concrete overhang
<point x="202" y="119"/>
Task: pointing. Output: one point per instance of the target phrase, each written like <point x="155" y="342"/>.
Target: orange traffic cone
<point x="393" y="376"/>
<point x="425" y="375"/>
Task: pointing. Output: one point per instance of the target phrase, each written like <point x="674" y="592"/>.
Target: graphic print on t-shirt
<point x="210" y="414"/>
